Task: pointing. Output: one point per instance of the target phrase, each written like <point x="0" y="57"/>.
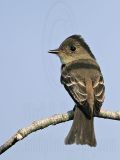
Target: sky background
<point x="30" y="86"/>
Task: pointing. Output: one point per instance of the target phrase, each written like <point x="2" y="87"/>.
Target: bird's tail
<point x="82" y="130"/>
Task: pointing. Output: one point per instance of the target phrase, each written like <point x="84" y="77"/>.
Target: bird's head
<point x="73" y="48"/>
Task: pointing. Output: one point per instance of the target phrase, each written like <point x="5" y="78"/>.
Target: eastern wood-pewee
<point x="82" y="78"/>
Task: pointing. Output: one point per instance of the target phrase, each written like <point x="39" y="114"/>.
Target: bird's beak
<point x="55" y="51"/>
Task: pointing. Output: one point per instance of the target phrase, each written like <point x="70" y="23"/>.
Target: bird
<point x="82" y="78"/>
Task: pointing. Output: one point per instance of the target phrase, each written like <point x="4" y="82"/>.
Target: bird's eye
<point x="72" y="48"/>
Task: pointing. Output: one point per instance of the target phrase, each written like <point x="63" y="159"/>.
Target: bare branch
<point x="56" y="119"/>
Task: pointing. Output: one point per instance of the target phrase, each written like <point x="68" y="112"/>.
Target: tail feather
<point x="82" y="130"/>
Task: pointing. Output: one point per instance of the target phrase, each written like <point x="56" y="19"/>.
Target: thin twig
<point x="56" y="119"/>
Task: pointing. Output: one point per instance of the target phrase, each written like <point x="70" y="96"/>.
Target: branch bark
<point x="53" y="120"/>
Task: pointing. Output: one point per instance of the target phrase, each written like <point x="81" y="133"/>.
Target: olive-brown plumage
<point x="82" y="78"/>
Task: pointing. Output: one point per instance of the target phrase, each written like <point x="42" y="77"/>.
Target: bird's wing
<point x="99" y="92"/>
<point x="75" y="86"/>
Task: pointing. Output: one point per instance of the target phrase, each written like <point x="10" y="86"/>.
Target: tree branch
<point x="56" y="119"/>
